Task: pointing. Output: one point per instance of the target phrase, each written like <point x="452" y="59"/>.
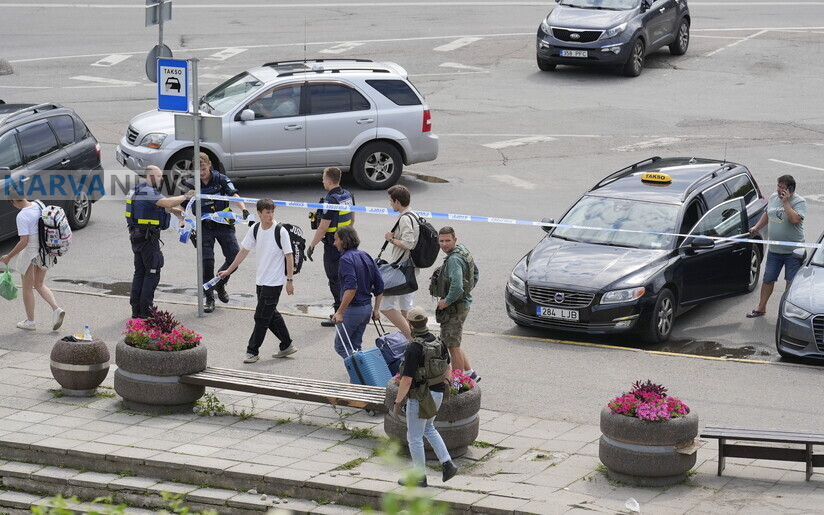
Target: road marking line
<point x="226" y="54"/>
<point x="112" y="60"/>
<point x="461" y="67"/>
<point x="797" y="164"/>
<point x="458" y="43"/>
<point x="511" y="180"/>
<point x="103" y="80"/>
<point x="643" y="145"/>
<point x="343" y="47"/>
<point x="519" y="142"/>
<point x="751" y="36"/>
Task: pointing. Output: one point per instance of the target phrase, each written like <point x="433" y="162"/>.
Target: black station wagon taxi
<point x="643" y="245"/>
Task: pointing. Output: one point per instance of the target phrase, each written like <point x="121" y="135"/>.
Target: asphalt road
<point x="515" y="143"/>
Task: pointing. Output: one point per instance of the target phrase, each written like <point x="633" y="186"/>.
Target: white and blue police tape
<point x="223" y="217"/>
<point x="494" y="220"/>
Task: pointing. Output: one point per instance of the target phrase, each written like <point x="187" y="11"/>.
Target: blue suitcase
<point x="364" y="366"/>
<point x="392" y="346"/>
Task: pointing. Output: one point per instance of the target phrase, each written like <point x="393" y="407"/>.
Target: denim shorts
<point x="775" y="261"/>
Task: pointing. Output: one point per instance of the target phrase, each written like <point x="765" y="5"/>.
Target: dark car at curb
<point x="48" y="145"/>
<point x="618" y="33"/>
<point x="799" y="331"/>
<point x="641" y="247"/>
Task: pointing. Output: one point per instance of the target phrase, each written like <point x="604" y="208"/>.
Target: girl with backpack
<point x="31" y="264"/>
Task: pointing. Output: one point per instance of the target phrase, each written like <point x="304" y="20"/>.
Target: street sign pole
<point x="196" y="172"/>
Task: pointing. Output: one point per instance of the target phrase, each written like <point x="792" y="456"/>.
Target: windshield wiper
<point x="566" y="238"/>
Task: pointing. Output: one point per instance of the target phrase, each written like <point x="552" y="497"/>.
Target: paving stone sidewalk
<point x="309" y="451"/>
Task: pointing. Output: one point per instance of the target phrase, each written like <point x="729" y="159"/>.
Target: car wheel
<point x="78" y="211"/>
<point x="755" y="267"/>
<point x="545" y="66"/>
<point x="178" y="169"/>
<point x="682" y="40"/>
<point x="635" y="63"/>
<point x="663" y="316"/>
<point x="377" y="165"/>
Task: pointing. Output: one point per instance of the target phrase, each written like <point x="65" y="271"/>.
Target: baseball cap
<point x="416" y="314"/>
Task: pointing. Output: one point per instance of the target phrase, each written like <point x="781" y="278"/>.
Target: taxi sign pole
<point x="196" y="172"/>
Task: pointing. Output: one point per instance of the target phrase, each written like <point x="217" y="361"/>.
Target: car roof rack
<point x="726" y="167"/>
<point x="33" y="109"/>
<point x="304" y="61"/>
<point x="336" y="70"/>
<point x="623" y="172"/>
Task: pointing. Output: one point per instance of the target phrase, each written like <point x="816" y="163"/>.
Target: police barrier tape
<point x="487" y="219"/>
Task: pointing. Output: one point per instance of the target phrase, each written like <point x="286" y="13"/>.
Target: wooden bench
<point x="369" y="398"/>
<point x="728" y="450"/>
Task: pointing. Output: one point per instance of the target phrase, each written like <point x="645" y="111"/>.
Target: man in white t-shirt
<point x="275" y="267"/>
<point x="401" y="240"/>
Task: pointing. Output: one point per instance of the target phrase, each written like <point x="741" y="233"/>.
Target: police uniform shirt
<point x="219" y="184"/>
<point x="270" y="265"/>
<point x="144" y="199"/>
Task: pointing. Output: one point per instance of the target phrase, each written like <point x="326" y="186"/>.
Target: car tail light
<point x="427" y="121"/>
<point x="97" y="149"/>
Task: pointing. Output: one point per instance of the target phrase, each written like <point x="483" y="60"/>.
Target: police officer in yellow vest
<point x="326" y="223"/>
<point x="147" y="213"/>
<point x="215" y="183"/>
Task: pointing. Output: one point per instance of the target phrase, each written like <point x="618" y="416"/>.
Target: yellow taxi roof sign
<point x="656" y="177"/>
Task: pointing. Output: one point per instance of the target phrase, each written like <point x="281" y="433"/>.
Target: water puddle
<point x="320" y="310"/>
<point x="123" y="288"/>
<point x="710" y="349"/>
<point x="426" y="178"/>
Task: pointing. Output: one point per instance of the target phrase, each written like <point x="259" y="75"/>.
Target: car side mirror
<point x="547" y="229"/>
<point x="800" y="254"/>
<point x="247" y="115"/>
<point x="700" y="243"/>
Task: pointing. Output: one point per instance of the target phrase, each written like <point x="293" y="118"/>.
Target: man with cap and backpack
<point x="424" y="379"/>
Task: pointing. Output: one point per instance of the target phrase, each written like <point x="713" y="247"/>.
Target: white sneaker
<point x="251" y="358"/>
<point x="57" y="318"/>
<point x="285" y="352"/>
<point x="28" y="325"/>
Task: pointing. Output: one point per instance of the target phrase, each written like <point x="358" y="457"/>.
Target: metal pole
<point x="160" y="23"/>
<point x="196" y="171"/>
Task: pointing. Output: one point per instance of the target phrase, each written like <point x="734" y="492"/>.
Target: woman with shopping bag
<point x="31" y="264"/>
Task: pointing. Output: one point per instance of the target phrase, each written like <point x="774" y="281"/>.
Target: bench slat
<point x="767" y="435"/>
<point x="765" y="453"/>
<point x="329" y="392"/>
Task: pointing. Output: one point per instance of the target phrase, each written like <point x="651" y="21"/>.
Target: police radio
<point x="314" y="218"/>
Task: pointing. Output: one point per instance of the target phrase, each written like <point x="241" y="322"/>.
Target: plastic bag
<point x="7" y="288"/>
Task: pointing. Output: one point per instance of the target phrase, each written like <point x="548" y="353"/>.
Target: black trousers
<point x="331" y="261"/>
<point x="148" y="260"/>
<point x="267" y="317"/>
<point x="224" y="235"/>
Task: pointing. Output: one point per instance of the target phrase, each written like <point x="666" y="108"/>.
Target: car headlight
<point x="153" y="140"/>
<point x="614" y="31"/>
<point x="517" y="279"/>
<point x="545" y="26"/>
<point x="627" y="295"/>
<point x="790" y="310"/>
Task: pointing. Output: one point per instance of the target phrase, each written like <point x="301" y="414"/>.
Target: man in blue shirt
<point x="329" y="221"/>
<point x="359" y="280"/>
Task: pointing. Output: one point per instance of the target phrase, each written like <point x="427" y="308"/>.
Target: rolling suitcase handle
<point x="381" y="331"/>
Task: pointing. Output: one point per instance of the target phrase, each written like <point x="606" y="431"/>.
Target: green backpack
<point x="435" y="365"/>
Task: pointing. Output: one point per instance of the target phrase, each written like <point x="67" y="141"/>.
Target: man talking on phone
<point x="784" y="219"/>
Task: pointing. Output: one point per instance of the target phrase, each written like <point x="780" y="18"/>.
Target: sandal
<point x="755" y="314"/>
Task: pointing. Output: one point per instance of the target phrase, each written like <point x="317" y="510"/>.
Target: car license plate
<point x="120" y="158"/>
<point x="562" y="314"/>
<point x="574" y="53"/>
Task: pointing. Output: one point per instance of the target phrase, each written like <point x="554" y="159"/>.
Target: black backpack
<point x="297" y="239"/>
<point x="426" y="250"/>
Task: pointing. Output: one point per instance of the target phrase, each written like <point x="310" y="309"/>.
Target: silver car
<point x="295" y="117"/>
<point x="799" y="331"/>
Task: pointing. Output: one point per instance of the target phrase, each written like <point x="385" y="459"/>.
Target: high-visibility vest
<point x="142" y="213"/>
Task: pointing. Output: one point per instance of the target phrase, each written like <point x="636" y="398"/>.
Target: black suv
<point x="47" y="151"/>
<point x="640" y="247"/>
<point x="612" y="32"/>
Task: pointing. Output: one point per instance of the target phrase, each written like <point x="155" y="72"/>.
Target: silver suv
<point x="299" y="116"/>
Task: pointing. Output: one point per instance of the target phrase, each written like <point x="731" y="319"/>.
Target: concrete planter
<point x="148" y="380"/>
<point x="79" y="367"/>
<point x="457" y="421"/>
<point x="645" y="453"/>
